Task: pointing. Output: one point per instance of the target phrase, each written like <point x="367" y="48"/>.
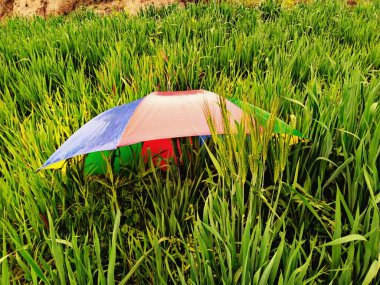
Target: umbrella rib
<point x="127" y="123"/>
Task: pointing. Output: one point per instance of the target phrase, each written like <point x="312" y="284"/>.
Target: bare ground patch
<point x="44" y="8"/>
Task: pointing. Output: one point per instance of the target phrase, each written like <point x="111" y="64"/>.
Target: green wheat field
<point x="238" y="210"/>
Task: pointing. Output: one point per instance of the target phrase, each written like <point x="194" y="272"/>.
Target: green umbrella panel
<point x="262" y="117"/>
<point x="122" y="157"/>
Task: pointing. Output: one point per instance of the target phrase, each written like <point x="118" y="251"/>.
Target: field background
<point x="246" y="212"/>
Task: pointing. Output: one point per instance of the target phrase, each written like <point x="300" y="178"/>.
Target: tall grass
<point x="239" y="210"/>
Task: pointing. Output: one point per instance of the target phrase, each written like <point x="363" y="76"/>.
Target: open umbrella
<point x="153" y="119"/>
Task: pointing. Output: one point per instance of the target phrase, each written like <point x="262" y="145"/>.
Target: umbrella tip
<point x="179" y="93"/>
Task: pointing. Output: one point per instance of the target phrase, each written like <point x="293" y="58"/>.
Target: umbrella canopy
<point x="159" y="115"/>
<point x="154" y="119"/>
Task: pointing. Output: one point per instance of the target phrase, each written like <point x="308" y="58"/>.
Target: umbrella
<point x="152" y="120"/>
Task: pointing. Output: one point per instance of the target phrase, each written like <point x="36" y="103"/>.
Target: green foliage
<point x="237" y="210"/>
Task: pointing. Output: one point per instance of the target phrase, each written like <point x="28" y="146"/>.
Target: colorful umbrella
<point x="154" y="119"/>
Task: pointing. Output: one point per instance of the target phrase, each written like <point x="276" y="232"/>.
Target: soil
<point x="44" y="8"/>
<point x="28" y="8"/>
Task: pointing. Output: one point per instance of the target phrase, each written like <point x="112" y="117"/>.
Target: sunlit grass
<point x="239" y="210"/>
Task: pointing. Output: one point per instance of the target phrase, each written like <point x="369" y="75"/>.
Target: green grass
<point x="239" y="211"/>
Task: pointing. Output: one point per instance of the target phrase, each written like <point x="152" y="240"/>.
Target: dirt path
<point x="57" y="7"/>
